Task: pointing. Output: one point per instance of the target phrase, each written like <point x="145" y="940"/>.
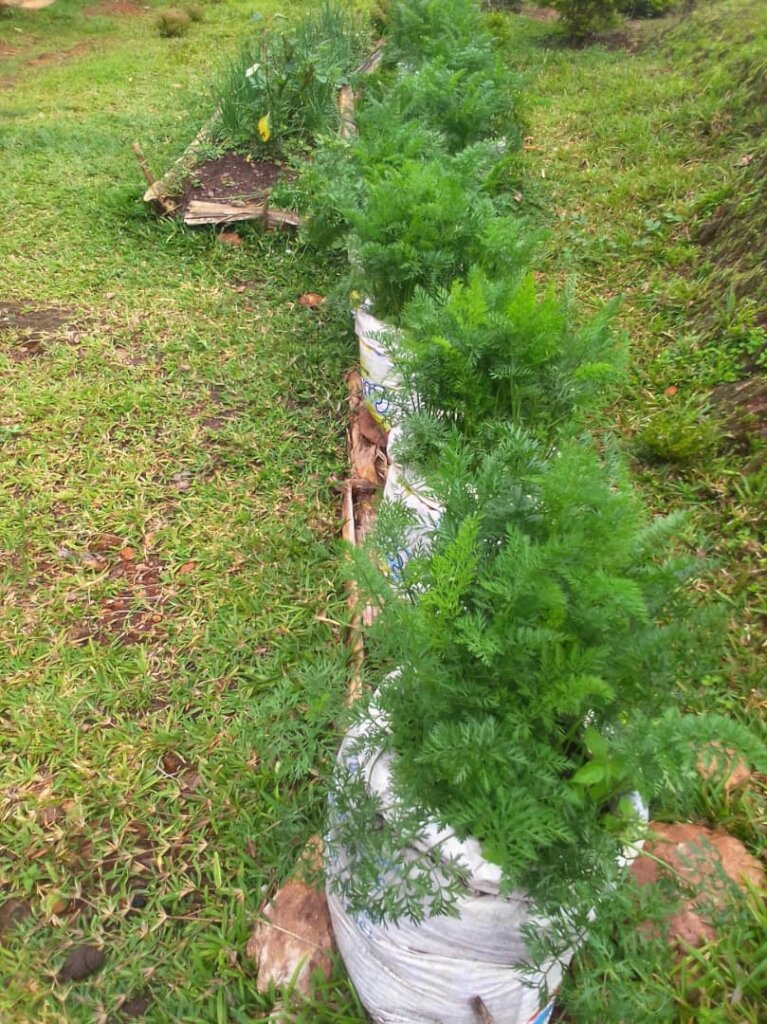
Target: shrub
<point x="537" y="645"/>
<point x="498" y="350"/>
<point x="678" y="435"/>
<point x="462" y="105"/>
<point x="583" y="18"/>
<point x="172" y="23"/>
<point x="499" y="26"/>
<point x="423" y="224"/>
<point x="452" y="30"/>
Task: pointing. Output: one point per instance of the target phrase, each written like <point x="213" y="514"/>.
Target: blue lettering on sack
<point x="397" y="562"/>
<point x="544" y="1015"/>
<point x="377" y="394"/>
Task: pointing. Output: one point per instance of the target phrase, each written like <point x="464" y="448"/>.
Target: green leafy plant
<point x="450" y="30"/>
<point x="450" y="75"/>
<point x="463" y="105"/>
<point x="499" y="350"/>
<point x="424" y="223"/>
<point x="282" y="90"/>
<point x="538" y="648"/>
<point x="406" y="118"/>
<point x="680" y="434"/>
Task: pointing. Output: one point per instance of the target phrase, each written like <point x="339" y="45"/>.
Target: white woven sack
<point x="380" y="381"/>
<point x="402" y="486"/>
<point x="429" y="973"/>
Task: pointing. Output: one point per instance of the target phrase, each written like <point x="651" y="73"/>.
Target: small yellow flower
<point x="265" y="127"/>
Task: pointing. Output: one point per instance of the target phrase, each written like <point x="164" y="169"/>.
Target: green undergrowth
<point x="645" y="160"/>
<point x="171" y="425"/>
<point x="644" y="165"/>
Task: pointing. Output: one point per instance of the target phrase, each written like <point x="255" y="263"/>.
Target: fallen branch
<point x="199" y="211"/>
<point x="345" y="101"/>
<point x="163" y="191"/>
<point x="371" y="63"/>
<point x="151" y="181"/>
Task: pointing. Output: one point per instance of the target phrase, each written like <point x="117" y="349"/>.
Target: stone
<point x="698" y="857"/>
<point x="294" y="939"/>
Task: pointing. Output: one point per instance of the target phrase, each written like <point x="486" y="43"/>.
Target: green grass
<point x="165" y="715"/>
<point x="631" y="151"/>
<point x="634" y="153"/>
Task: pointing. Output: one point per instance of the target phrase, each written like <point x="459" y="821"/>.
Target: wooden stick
<point x="199" y="211"/>
<point x="162" y="202"/>
<point x="150" y="178"/>
<point x="354" y="635"/>
<point x="345" y="101"/>
<point x="371" y="63"/>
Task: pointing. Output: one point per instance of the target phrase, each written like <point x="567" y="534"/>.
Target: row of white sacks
<point x="445" y="969"/>
<point x="380" y="393"/>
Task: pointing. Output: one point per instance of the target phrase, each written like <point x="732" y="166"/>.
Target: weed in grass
<point x="679" y="433"/>
<point x="290" y="76"/>
<point x="173" y="22"/>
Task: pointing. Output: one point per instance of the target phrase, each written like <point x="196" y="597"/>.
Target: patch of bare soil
<point x="109" y="7"/>
<point x="135" y="613"/>
<point x="735" y="236"/>
<point x="232" y="178"/>
<point x="136" y="1006"/>
<point x="743" y="408"/>
<point x="219" y="421"/>
<point x="27" y="327"/>
<point x="44" y="59"/>
<point x="12" y="912"/>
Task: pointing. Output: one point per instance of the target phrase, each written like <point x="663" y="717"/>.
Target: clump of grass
<point x="195" y="12"/>
<point x="173" y="22"/>
<point x="680" y="435"/>
<point x="287" y="81"/>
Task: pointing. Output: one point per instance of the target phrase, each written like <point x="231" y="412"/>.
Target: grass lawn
<point x="171" y="422"/>
<point x="645" y="164"/>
